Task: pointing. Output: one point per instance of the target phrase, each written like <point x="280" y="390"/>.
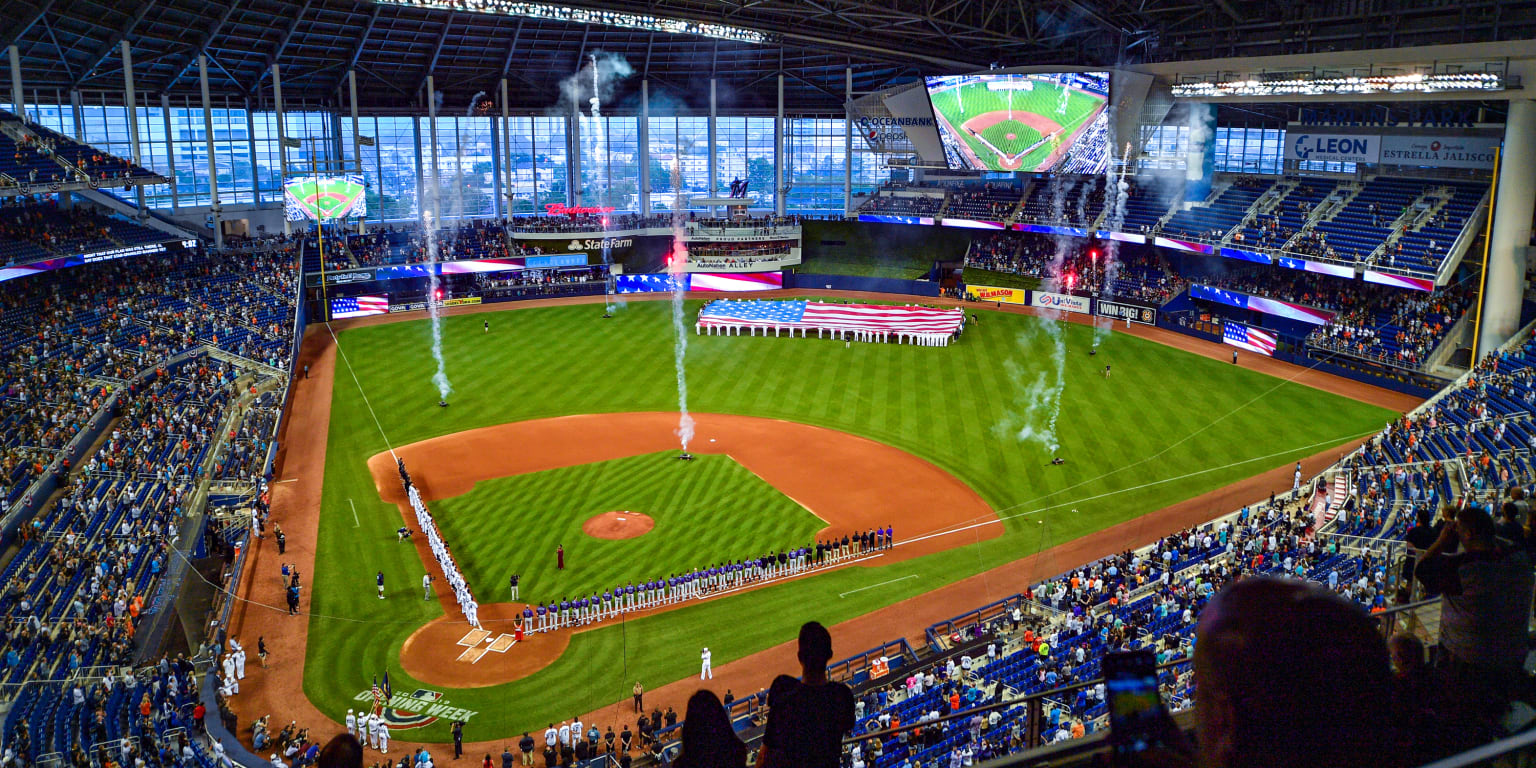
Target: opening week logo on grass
<point x="415" y="710"/>
<point x="313" y="198"/>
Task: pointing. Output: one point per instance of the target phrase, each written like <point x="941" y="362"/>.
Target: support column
<point x="506" y="169"/>
<point x="421" y="195"/>
<point x="496" y="159"/>
<point x="133" y="116"/>
<point x="357" y="144"/>
<point x="170" y="157"/>
<point x="437" y="184"/>
<point x="1509" y="239"/>
<point x="573" y="157"/>
<point x="74" y="104"/>
<point x="714" y="147"/>
<point x="282" y="138"/>
<point x="848" y="141"/>
<point x="18" y="98"/>
<point x="213" y="166"/>
<point x="780" y="126"/>
<point x="645" y="148"/>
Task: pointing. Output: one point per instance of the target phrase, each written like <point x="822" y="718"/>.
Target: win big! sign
<point x="1334" y="148"/>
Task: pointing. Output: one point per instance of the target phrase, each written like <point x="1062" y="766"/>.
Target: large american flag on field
<point x="1251" y="339"/>
<point x="359" y="306"/>
<point x="838" y="317"/>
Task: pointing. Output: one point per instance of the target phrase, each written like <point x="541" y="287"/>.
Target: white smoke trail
<point x="1116" y="194"/>
<point x="434" y="284"/>
<point x="677" y="269"/>
<point x="1037" y="403"/>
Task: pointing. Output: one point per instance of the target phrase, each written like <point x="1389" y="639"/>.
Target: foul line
<point x="881" y="584"/>
<point x="355" y="523"/>
<point x="1117" y="491"/>
<point x="360" y="391"/>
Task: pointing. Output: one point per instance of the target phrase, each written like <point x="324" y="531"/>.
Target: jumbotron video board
<point x="1037" y="122"/>
<point x="324" y="198"/>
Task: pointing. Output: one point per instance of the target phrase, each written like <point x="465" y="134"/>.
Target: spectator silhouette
<point x="807" y="717"/>
<point x="708" y="740"/>
<point x="1290" y="674"/>
<point x="342" y="751"/>
<point x="1487" y="588"/>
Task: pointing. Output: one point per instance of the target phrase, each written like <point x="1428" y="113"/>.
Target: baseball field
<point x="1009" y="129"/>
<point x="559" y="418"/>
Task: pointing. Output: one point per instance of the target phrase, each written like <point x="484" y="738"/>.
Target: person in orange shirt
<point x="954" y="702"/>
<point x="1077" y="729"/>
<point x="145" y="707"/>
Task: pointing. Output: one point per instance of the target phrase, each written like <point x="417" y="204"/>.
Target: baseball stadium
<point x="714" y="385"/>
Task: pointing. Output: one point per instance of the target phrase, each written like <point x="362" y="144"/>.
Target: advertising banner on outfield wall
<point x="1004" y="295"/>
<point x="1440" y="151"/>
<point x="1060" y="301"/>
<point x="1333" y="147"/>
<point x="1120" y="309"/>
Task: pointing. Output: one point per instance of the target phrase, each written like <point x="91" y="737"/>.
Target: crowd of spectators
<point x="914" y="205"/>
<point x="990" y="202"/>
<point x="590" y="222"/>
<point x="1136" y="272"/>
<point x="738" y="255"/>
<point x="760" y="225"/>
<point x="1395" y="326"/>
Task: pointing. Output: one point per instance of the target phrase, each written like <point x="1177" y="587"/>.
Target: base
<point x="442" y="403"/>
<point x="685" y="456"/>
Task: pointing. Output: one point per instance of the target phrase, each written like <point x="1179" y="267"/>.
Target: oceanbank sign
<point x="1333" y="148"/>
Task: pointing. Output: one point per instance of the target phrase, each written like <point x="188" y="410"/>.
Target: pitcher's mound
<point x="618" y="525"/>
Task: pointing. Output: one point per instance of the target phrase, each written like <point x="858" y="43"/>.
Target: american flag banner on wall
<point x="814" y="315"/>
<point x="359" y="306"/>
<point x="1251" y="339"/>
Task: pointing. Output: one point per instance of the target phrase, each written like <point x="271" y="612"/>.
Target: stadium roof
<point x="68" y="44"/>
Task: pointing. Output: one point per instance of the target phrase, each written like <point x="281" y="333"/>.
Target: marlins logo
<point x="416" y="710"/>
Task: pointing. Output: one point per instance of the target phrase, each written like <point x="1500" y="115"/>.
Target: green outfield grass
<point x="1043" y="100"/>
<point x="1168" y="426"/>
<point x="744" y="515"/>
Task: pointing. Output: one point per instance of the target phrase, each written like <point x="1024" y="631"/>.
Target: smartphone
<point x="1138" y="721"/>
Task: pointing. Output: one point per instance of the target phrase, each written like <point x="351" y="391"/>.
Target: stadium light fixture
<point x="572" y="15"/>
<point x="1410" y="83"/>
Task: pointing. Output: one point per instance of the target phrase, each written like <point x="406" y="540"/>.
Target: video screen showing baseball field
<point x="1037" y="122"/>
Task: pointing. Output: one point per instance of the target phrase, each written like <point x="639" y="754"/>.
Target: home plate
<point x="474" y="637"/>
<point x="471" y="655"/>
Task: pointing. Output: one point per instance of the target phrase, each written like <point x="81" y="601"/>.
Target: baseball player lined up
<point x="700" y="582"/>
<point x="439" y="548"/>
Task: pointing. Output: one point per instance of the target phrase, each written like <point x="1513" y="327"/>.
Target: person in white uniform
<point x="706" y="672"/>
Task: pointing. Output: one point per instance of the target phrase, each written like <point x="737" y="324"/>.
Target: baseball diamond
<point x="853" y="393"/>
